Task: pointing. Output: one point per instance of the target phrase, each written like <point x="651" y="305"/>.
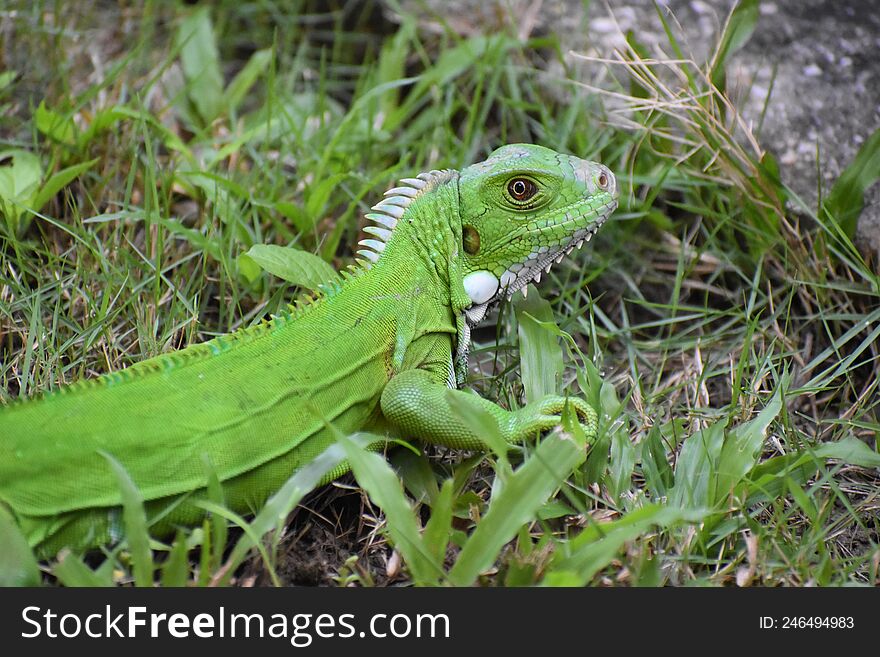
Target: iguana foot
<point x="546" y="413"/>
<point x="418" y="406"/>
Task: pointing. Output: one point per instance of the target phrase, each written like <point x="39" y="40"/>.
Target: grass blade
<point x="523" y="495"/>
<point x="18" y="567"/>
<point x="384" y="488"/>
<point x="71" y="571"/>
<point x="595" y="547"/>
<point x="847" y="198"/>
<point x="539" y="348"/>
<point x="275" y="511"/>
<point x="134" y="518"/>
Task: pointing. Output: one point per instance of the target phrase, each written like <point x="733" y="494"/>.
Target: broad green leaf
<point x="201" y="64"/>
<point x="742" y="446"/>
<point x="195" y="237"/>
<point x="58" y="127"/>
<point x="416" y="475"/>
<point x="134" y="518"/>
<point x="241" y="84"/>
<point x="213" y="185"/>
<point x="223" y="194"/>
<point x="847" y="198"/>
<point x="103" y="119"/>
<point x="7" y="78"/>
<point x="302" y="221"/>
<point x="20" y="175"/>
<point x="695" y="469"/>
<point x="20" y="189"/>
<point x="57" y="182"/>
<point x="555" y="509"/>
<point x="737" y="31"/>
<point x="539" y="348"/>
<point x="18" y="567"/>
<point x="772" y="477"/>
<point x="292" y="265"/>
<point x="849" y="450"/>
<point x="248" y="267"/>
<point x="768" y="479"/>
<point x="522" y="497"/>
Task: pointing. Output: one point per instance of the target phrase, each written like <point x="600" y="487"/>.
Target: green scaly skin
<point x="378" y="352"/>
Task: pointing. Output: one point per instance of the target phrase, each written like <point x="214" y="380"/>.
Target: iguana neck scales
<point x="374" y="352"/>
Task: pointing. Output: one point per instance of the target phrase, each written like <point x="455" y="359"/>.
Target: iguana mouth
<point x="539" y="262"/>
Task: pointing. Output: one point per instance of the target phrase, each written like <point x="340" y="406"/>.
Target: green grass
<point x="725" y="330"/>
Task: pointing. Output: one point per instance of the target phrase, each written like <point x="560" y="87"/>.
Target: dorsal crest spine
<point x="390" y="210"/>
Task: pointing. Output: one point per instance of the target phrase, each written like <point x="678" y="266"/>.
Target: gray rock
<point x="825" y="100"/>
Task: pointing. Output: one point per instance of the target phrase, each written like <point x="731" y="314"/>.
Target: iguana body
<point x="377" y="352"/>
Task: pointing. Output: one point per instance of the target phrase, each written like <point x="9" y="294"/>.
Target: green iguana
<point x="377" y="351"/>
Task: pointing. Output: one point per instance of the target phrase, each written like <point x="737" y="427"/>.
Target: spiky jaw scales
<point x="520" y="274"/>
<point x="484" y="288"/>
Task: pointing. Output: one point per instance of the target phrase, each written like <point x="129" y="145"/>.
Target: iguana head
<point x="519" y="211"/>
<point x="490" y="229"/>
<point x="523" y="209"/>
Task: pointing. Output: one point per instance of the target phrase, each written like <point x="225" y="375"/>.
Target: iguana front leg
<point x="418" y="406"/>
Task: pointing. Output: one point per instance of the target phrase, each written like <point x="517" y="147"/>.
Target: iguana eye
<point x="602" y="180"/>
<point x="521" y="189"/>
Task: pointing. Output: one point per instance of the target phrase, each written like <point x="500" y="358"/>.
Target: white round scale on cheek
<point x="480" y="286"/>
